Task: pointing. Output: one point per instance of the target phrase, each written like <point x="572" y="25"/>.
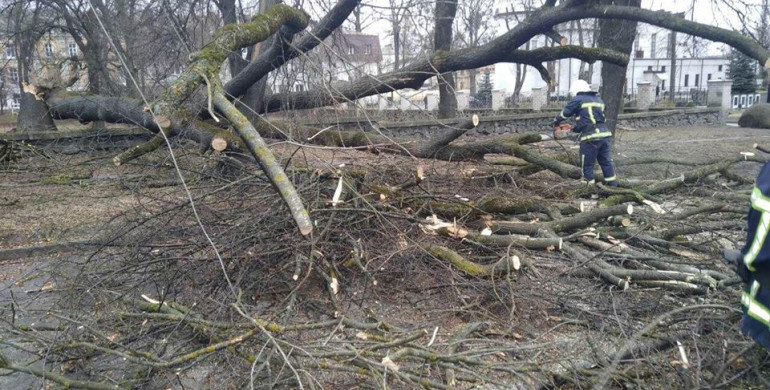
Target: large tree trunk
<point x="472" y="81"/>
<point x="252" y="101"/>
<point x="618" y="35"/>
<point x="445" y="15"/>
<point x="228" y="9"/>
<point x="34" y="114"/>
<point x="396" y="47"/>
<point x="521" y="76"/>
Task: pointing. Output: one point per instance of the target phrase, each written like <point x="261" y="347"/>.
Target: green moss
<point x="60" y="179"/>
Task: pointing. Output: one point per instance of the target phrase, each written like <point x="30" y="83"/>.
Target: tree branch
<point x="282" y="52"/>
<point x="499" y="49"/>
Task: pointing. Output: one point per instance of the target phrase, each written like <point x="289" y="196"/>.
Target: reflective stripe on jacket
<point x="588" y="107"/>
<point x="756" y="259"/>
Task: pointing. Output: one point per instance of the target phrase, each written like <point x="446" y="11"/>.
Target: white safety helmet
<point x="579" y="86"/>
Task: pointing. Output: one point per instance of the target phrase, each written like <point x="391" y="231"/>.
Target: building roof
<point x="365" y="48"/>
<point x="720" y="58"/>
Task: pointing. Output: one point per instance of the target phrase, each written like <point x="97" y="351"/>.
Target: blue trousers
<point x="593" y="150"/>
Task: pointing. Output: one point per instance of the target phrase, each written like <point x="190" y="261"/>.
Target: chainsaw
<point x="562" y="131"/>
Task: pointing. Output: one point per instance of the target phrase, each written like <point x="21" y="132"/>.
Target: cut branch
<point x="502" y="266"/>
<point x="267" y="162"/>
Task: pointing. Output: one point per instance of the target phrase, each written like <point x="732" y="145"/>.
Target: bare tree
<point x="445" y="14"/>
<point x="474" y="28"/>
<point x="28" y="24"/>
<point x="618" y="35"/>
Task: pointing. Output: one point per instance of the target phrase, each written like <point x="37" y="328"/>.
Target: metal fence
<point x="689" y="97"/>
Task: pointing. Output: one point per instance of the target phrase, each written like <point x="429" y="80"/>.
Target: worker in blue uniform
<point x="595" y="139"/>
<point x="753" y="264"/>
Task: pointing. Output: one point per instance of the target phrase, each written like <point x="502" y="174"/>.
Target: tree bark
<point x="228" y="9"/>
<point x="252" y="100"/>
<point x="618" y="35"/>
<point x="33" y="114"/>
<point x="445" y="14"/>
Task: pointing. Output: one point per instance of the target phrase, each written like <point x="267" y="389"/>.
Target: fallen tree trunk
<point x="475" y="151"/>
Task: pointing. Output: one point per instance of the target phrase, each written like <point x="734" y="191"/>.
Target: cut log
<point x="475" y="151"/>
<point x="139" y="150"/>
<point x="219" y="144"/>
<point x="761" y="148"/>
<point x="578" y="221"/>
<point x="503" y="240"/>
<point x="619" y="221"/>
<point x="502" y="266"/>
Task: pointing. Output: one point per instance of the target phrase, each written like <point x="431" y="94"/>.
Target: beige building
<point x="53" y="54"/>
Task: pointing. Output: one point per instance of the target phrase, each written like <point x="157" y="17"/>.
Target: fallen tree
<point x="261" y="297"/>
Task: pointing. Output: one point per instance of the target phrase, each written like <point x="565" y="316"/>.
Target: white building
<point x="344" y="56"/>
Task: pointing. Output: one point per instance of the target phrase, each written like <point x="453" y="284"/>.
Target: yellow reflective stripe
<point x="754" y="288"/>
<point x="561" y="114"/>
<point x="590" y="106"/>
<point x="582" y="164"/>
<point x="755" y="309"/>
<point x="759" y="201"/>
<point x="759" y="240"/>
<point x="596" y="135"/>
<point x="611" y="178"/>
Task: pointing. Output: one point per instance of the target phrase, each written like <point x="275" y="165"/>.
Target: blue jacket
<point x="588" y="107"/>
<point x="756" y="264"/>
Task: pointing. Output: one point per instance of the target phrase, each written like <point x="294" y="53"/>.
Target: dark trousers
<point x="593" y="150"/>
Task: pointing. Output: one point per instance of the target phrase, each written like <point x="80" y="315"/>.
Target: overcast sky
<point x="728" y="14"/>
<point x="720" y="12"/>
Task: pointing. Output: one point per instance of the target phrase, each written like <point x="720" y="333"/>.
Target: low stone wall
<point x="686" y="117"/>
<point x="542" y="122"/>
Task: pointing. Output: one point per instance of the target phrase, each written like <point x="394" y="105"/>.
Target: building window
<point x="649" y="68"/>
<point x="48" y="50"/>
<point x="697" y="80"/>
<point x="720" y="68"/>
<point x="13" y="75"/>
<point x="10" y="51"/>
<point x="663" y="68"/>
<point x="368" y="49"/>
<point x="653" y="44"/>
<point x="351" y="50"/>
<point x="687" y="80"/>
<point x="663" y="85"/>
<point x="708" y="77"/>
<point x="72" y="50"/>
